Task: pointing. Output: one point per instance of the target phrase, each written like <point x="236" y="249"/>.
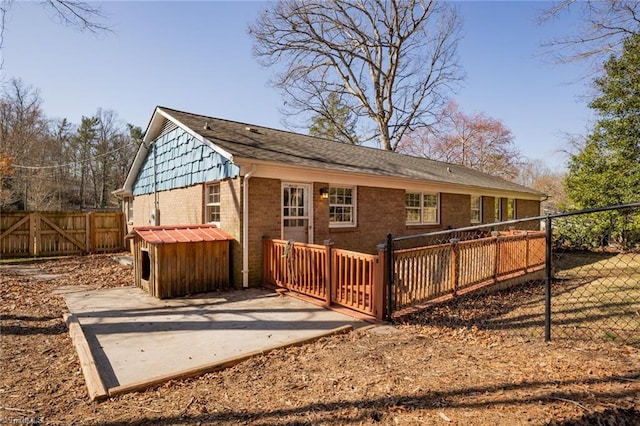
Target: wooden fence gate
<point x="24" y="234"/>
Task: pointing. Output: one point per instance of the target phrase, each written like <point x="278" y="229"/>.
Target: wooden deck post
<point x="455" y="264"/>
<point x="495" y="235"/>
<point x="379" y="278"/>
<point x="329" y="283"/>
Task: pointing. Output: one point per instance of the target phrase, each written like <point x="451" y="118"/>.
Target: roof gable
<point x="179" y="159"/>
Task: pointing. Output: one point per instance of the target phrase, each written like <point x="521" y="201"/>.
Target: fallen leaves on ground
<point x="420" y="372"/>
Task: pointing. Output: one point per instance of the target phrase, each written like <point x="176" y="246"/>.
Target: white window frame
<point x="422" y="208"/>
<point x="353" y="206"/>
<point x="497" y="212"/>
<point x="130" y="209"/>
<point x="476" y="208"/>
<point x="209" y="204"/>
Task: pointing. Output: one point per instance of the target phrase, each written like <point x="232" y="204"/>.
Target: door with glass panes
<point x="296" y="212"/>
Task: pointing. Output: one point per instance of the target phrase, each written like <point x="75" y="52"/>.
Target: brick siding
<point x="379" y="211"/>
<point x="264" y="221"/>
<point x="488" y="210"/>
<point x="177" y="206"/>
<point x="527" y="208"/>
<point x="230" y="222"/>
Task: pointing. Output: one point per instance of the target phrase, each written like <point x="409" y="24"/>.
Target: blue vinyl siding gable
<point x="181" y="160"/>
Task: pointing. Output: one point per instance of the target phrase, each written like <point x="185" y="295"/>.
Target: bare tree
<point x="389" y="61"/>
<point x="23" y="135"/>
<point x="537" y="175"/>
<point x="115" y="148"/>
<point x="472" y="140"/>
<point x="83" y="15"/>
<point x="602" y="27"/>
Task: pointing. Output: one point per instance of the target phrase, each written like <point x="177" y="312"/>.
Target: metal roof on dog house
<point x="179" y="260"/>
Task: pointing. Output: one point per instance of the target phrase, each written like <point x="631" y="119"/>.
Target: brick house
<point x="253" y="182"/>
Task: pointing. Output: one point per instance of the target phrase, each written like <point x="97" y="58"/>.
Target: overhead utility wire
<point x="20" y="166"/>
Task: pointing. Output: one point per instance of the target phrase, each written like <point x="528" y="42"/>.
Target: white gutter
<point x="245" y="227"/>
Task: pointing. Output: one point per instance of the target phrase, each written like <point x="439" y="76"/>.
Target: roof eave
<point x="195" y="134"/>
<point x="282" y="171"/>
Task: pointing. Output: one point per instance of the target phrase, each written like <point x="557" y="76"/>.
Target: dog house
<point x="174" y="261"/>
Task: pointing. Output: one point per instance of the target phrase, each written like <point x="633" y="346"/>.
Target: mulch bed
<point x="423" y="371"/>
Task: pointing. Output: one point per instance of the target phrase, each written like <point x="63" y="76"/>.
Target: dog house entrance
<point x="146" y="265"/>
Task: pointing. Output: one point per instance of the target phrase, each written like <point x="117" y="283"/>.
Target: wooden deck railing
<point x="429" y="272"/>
<point x="353" y="278"/>
<point x="357" y="280"/>
<point x="299" y="267"/>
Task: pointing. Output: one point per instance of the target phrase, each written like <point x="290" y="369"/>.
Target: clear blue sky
<point x="196" y="57"/>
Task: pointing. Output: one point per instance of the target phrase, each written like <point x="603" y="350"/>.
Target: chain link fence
<point x="567" y="276"/>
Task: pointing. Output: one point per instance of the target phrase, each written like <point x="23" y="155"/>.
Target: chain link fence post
<point x="548" y="278"/>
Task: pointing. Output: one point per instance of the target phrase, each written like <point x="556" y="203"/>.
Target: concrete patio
<point x="128" y="340"/>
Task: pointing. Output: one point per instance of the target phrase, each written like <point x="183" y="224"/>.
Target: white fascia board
<point x="291" y="173"/>
<point x="141" y="154"/>
<point x="153" y="127"/>
<point x="198" y="136"/>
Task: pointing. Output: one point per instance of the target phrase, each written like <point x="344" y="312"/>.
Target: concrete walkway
<point x="135" y="340"/>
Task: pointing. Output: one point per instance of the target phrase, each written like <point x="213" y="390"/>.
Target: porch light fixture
<point x="324" y="193"/>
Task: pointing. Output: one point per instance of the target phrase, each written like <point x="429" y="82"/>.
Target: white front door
<point x="296" y="220"/>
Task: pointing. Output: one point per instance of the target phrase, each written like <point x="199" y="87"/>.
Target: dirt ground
<point x="418" y="372"/>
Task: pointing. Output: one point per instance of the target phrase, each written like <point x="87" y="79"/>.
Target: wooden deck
<point x="357" y="280"/>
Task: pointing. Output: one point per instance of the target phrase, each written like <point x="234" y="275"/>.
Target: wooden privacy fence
<point x="357" y="280"/>
<point x="341" y="277"/>
<point x="25" y="234"/>
<point x="426" y="273"/>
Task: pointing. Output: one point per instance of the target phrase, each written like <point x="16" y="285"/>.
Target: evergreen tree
<point x="337" y="123"/>
<point x="607" y="170"/>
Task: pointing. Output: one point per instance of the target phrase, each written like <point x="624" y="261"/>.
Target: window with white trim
<point x="342" y="206"/>
<point x="130" y="209"/>
<point x="476" y="209"/>
<point x="422" y="208"/>
<point x="511" y="208"/>
<point x="212" y="203"/>
<point x="497" y="209"/>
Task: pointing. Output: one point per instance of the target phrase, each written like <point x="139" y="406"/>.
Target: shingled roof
<point x="250" y="142"/>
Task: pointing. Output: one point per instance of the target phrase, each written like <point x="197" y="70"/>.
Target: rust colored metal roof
<point x="169" y="234"/>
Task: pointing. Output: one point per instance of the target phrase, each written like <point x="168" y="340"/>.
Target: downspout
<point x="155" y="188"/>
<point x="245" y="227"/>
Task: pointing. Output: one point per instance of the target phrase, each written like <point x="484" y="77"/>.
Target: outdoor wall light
<point x="324" y="193"/>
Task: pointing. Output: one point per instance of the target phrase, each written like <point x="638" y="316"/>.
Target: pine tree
<point x="338" y="124"/>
